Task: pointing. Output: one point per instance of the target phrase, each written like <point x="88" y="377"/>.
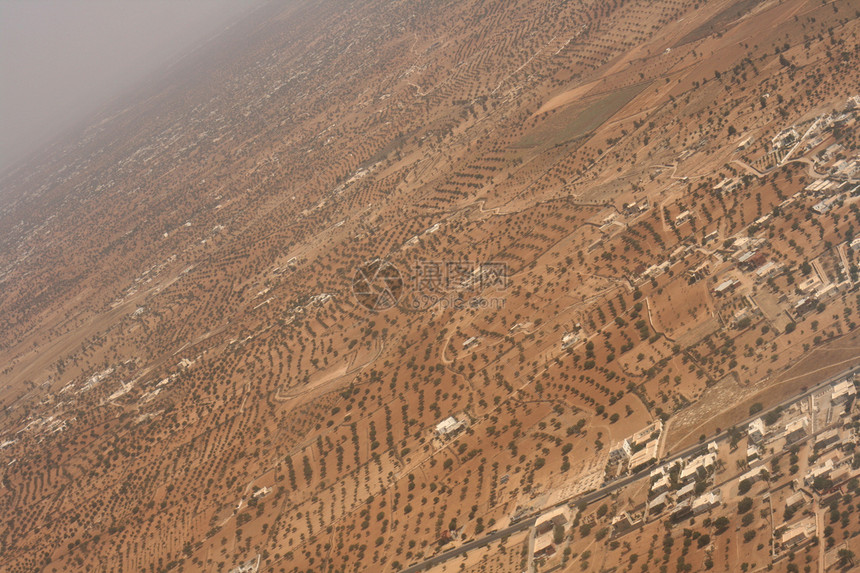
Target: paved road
<point x="518" y="526"/>
<point x="593" y="496"/>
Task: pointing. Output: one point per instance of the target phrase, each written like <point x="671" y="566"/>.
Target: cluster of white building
<point x="545" y="527"/>
<point x="689" y="473"/>
<point x="450" y="427"/>
<point x="640" y="449"/>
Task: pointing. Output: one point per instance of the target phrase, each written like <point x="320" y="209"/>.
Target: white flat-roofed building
<point x="544" y="545"/>
<point x="743" y="258"/>
<point x="753" y="452"/>
<point x="751" y="476"/>
<point x="797" y="429"/>
<point x="706" y="502"/>
<point x="842" y="392"/>
<point x="795" y="500"/>
<point x="568" y="340"/>
<point x="644" y="435"/>
<point x="757" y="430"/>
<point x="658" y="503"/>
<point x="448" y="426"/>
<point x="685" y="491"/>
<point x="824" y="207"/>
<point x="798" y="533"/>
<point x="726" y="286"/>
<point x="784" y="138"/>
<point x="809" y="284"/>
<point x="558" y="516"/>
<point x="682" y="510"/>
<point x="621" y="452"/>
<point x="645" y="456"/>
<point x="826" y="439"/>
<point x="821" y="470"/>
<point x="705" y="462"/>
<point x="767" y="269"/>
<point x="624" y="522"/>
<point x="661" y="485"/>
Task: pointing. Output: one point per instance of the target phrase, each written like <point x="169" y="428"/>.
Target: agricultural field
<point x="363" y="284"/>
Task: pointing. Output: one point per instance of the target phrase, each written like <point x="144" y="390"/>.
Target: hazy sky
<point x="63" y="59"/>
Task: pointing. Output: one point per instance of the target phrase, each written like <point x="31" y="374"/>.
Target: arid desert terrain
<point x="472" y="286"/>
